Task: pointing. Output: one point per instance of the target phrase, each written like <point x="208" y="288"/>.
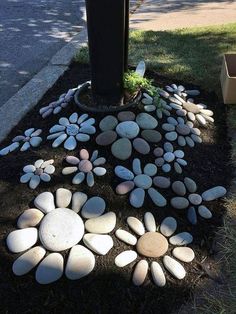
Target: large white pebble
<point x="140" y="273"/>
<point x="50" y="269"/>
<point x="45" y="202"/>
<point x="158" y="274"/>
<point x="78" y="200"/>
<point x="174" y="267"/>
<point x="63" y="197"/>
<point x="184" y="254"/>
<point x="125" y="258"/>
<point x="126" y="237"/>
<point x="150" y="222"/>
<point x="29" y="218"/>
<point x="102" y="224"/>
<point x="21" y="240"/>
<point x="99" y="243"/>
<point x="136" y="225"/>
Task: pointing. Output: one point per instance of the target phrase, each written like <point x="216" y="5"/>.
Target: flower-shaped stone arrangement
<point x="187" y="197"/>
<point x="157" y="104"/>
<point x="168" y="156"/>
<point x="181" y="91"/>
<point x="30" y="138"/>
<point x="140" y="182"/>
<point x="183" y="132"/>
<point x="84" y="167"/>
<point x="41" y="170"/>
<point x="57" y="227"/>
<point x="156" y="244"/>
<point x="128" y="132"/>
<point x="72" y="130"/>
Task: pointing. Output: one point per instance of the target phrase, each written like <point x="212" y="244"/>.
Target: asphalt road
<point x="31" y="32"/>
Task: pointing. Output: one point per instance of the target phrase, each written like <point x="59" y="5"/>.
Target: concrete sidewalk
<point x="166" y="15"/>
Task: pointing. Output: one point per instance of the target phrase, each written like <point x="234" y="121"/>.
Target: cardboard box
<point x="228" y="78"/>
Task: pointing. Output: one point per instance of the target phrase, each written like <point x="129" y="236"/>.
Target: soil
<point x="109" y="289"/>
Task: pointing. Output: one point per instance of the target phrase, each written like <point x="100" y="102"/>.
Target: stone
<point x="174" y="267"/>
<point x="108" y="123"/>
<point x="146" y="121"/>
<point x="80" y="263"/>
<point x="82" y="137"/>
<point x="47" y="163"/>
<point x="49" y="169"/>
<point x="150" y="222"/>
<point x="171" y="136"/>
<point x="127" y="129"/>
<point x="151" y="136"/>
<point x="124" y="187"/>
<point x="136" y="197"/>
<point x="183" y="129"/>
<point x="169" y="157"/>
<point x="161" y="182"/>
<point x="61" y="229"/>
<point x="124" y="173"/>
<point x="143" y="181"/>
<point x="168" y="147"/>
<point x="34" y="182"/>
<point x="179" y="202"/>
<point x="141" y="146"/>
<point x="195" y="199"/>
<point x="99" y="171"/>
<point x="70" y="143"/>
<point x="190" y="185"/>
<point x="90" y="178"/>
<point x="45" y="202"/>
<point x="157" y="198"/>
<point x="189" y="141"/>
<point x="184" y="254"/>
<point x="166" y="168"/>
<point x="172" y="120"/>
<point x="102" y="224"/>
<point x="29" y="218"/>
<point x="45" y="177"/>
<point x="140" y="273"/>
<point x="168" y="127"/>
<point x="191" y="107"/>
<point x="85" y="166"/>
<point x="29" y="168"/>
<point x="24" y="147"/>
<point x="106" y="138"/>
<point x="193" y="92"/>
<point x="192" y="216"/>
<point x="182" y="238"/>
<point x="94" y="207"/>
<point x="158" y="152"/>
<point x="150" y="170"/>
<point x="149" y="108"/>
<point x="152" y="244"/>
<point x="126" y="116"/>
<point x="136" y="165"/>
<point x="136" y="225"/>
<point x="84" y="154"/>
<point x="78" y="178"/>
<point x="204" y="212"/>
<point x="50" y="269"/>
<point x="99" y="243"/>
<point x="63" y="197"/>
<point x="21" y="240"/>
<point x="201" y="120"/>
<point x="182" y="162"/>
<point x="99" y="161"/>
<point x="38" y="163"/>
<point x="181" y="141"/>
<point x="125" y="258"/>
<point x="178" y="168"/>
<point x="214" y="193"/>
<point x="73" y="117"/>
<point x="157" y="274"/>
<point x="168" y="226"/>
<point x="159" y="162"/>
<point x="191" y="116"/>
<point x="122" y="149"/>
<point x="179" y="153"/>
<point x="147" y="101"/>
<point x="179" y="188"/>
<point x="27" y="261"/>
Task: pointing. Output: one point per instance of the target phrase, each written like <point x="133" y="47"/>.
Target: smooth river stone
<point x="78" y="200"/>
<point x="99" y="243"/>
<point x="124" y="173"/>
<point x="127" y="129"/>
<point x="174" y="267"/>
<point x="99" y="161"/>
<point x="102" y="224"/>
<point x="136" y="197"/>
<point x="108" y="123"/>
<point x="195" y="199"/>
<point x="184" y="254"/>
<point x="29" y="218"/>
<point x="161" y="182"/>
<point x="158" y="152"/>
<point x="50" y="269"/>
<point x="182" y="238"/>
<point x="94" y="207"/>
<point x="150" y="170"/>
<point x="21" y="240"/>
<point x="152" y="244"/>
<point x="136" y="165"/>
<point x="146" y="121"/>
<point x="190" y="185"/>
<point x="151" y="136"/>
<point x="214" y="193"/>
<point x="157" y="274"/>
<point x="45" y="202"/>
<point x="157" y="198"/>
<point x="63" y="197"/>
<point x="168" y="226"/>
<point x="204" y="212"/>
<point x="171" y="136"/>
<point x="169" y="157"/>
<point x="27" y="261"/>
<point x="126" y="116"/>
<point x="126" y="237"/>
<point x="191" y="107"/>
<point x="124" y="187"/>
<point x="29" y="168"/>
<point x="106" y="138"/>
<point x="149" y="222"/>
<point x="122" y="149"/>
<point x="136" y="225"/>
<point x="141" y="146"/>
<point x="80" y="262"/>
<point x="34" y="182"/>
<point x="140" y="273"/>
<point x="143" y="181"/>
<point x="125" y="258"/>
<point x="179" y="202"/>
<point x="179" y="188"/>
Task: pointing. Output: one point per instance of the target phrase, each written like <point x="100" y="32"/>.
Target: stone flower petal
<point x="50" y="269"/>
<point x="70" y="143"/>
<point x="59" y="140"/>
<point x="26" y="177"/>
<point x="78" y="178"/>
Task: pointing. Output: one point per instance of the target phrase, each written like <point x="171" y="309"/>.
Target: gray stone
<point x="94" y="207"/>
<point x="168" y="147"/>
<point x="151" y="136"/>
<point x="127" y="129"/>
<point x="195" y="199"/>
<point x="108" y="123"/>
<point x="124" y="173"/>
<point x="122" y="149"/>
<point x="161" y="182"/>
<point x="179" y="188"/>
<point x="150" y="170"/>
<point x="143" y="181"/>
<point x="157" y="198"/>
<point x="179" y="153"/>
<point x="168" y="226"/>
<point x="179" y="202"/>
<point x="190" y="185"/>
<point x="192" y="216"/>
<point x="204" y="212"/>
<point x="136" y="165"/>
<point x="159" y="162"/>
<point x="150" y="222"/>
<point x="168" y="127"/>
<point x="141" y="146"/>
<point x="158" y="152"/>
<point x="146" y="121"/>
<point x="106" y="138"/>
<point x="178" y="168"/>
<point x="50" y="269"/>
<point x="166" y="168"/>
<point x="136" y="197"/>
<point x="126" y="116"/>
<point x="171" y="136"/>
<point x="214" y="193"/>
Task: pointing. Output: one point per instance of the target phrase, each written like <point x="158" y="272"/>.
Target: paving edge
<point x="32" y="92"/>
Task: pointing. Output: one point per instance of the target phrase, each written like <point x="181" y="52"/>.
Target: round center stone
<point x="38" y="171"/>
<point x="85" y="166"/>
<point x="143" y="181"/>
<point x="152" y="244"/>
<point x="61" y="229"/>
<point x="72" y="129"/>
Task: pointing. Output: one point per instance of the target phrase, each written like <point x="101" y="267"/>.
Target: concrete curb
<point x="32" y="92"/>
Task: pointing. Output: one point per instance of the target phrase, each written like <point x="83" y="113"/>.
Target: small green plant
<point x="133" y="82"/>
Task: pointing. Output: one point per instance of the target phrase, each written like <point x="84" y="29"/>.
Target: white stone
<point x="146" y="121"/>
<point x="182" y="238"/>
<point x="124" y="173"/>
<point x="157" y="198"/>
<point x="99" y="243"/>
<point x="45" y="202"/>
<point x="174" y="267"/>
<point x="99" y="171"/>
<point x="45" y="177"/>
<point x="29" y="218"/>
<point x="102" y="224"/>
<point x="69" y="170"/>
<point x="126" y="237"/>
<point x="78" y="200"/>
<point x="201" y="119"/>
<point x="179" y="153"/>
<point x="127" y="129"/>
<point x="29" y="168"/>
<point x="63" y="197"/>
<point x="136" y="225"/>
<point x="21" y="240"/>
<point x="184" y="254"/>
<point x="168" y="226"/>
<point x="204" y="212"/>
<point x="125" y="258"/>
<point x="214" y="193"/>
<point x="140" y="273"/>
<point x="150" y="222"/>
<point x="158" y="274"/>
<point x="94" y="207"/>
<point x="50" y="269"/>
<point x="195" y="199"/>
<point x="34" y="181"/>
<point x="136" y="197"/>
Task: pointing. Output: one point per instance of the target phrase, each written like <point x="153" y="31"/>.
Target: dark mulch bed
<point x="107" y="289"/>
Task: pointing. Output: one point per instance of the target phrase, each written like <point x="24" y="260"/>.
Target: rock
<point x="193" y="92"/>
<point x="85" y="166"/>
<point x="214" y="193"/>
<point x="30" y="218"/>
<point x="168" y="127"/>
<point x="21" y="240"/>
<point x="195" y="199"/>
<point x="125" y="258"/>
<point x="149" y="108"/>
<point x="184" y="254"/>
<point x="45" y="202"/>
<point x="159" y="162"/>
<point x="169" y="157"/>
<point x="190" y="185"/>
<point x="99" y="243"/>
<point x="146" y="121"/>
<point x="80" y="263"/>
<point x="127" y="129"/>
<point x="189" y="141"/>
<point x="49" y="169"/>
<point x="150" y="170"/>
<point x="168" y="147"/>
<point x="34" y="182"/>
<point x="50" y="269"/>
<point x="73" y="117"/>
<point x="179" y="202"/>
<point x="126" y="237"/>
<point x="78" y="178"/>
<point x="161" y="182"/>
<point x="191" y="116"/>
<point x="182" y="162"/>
<point x="147" y="101"/>
<point x="63" y="197"/>
<point x="191" y="107"/>
<point x="99" y="171"/>
<point x="171" y="136"/>
<point x="174" y="267"/>
<point x="158" y="152"/>
<point x="69" y="170"/>
<point x="108" y="123"/>
<point x="143" y="181"/>
<point x="99" y="161"/>
<point x="152" y="244"/>
<point x="136" y="165"/>
<point x="150" y="222"/>
<point x="179" y="188"/>
<point x="182" y="238"/>
<point x="158" y="274"/>
<point x="168" y="226"/>
<point x="124" y="173"/>
<point x="172" y="120"/>
<point x="136" y="225"/>
<point x="27" y="261"/>
<point x="94" y="207"/>
<point x="90" y="178"/>
<point x="126" y="116"/>
<point x="166" y="168"/>
<point x="140" y="273"/>
<point x="29" y="168"/>
<point x="47" y="163"/>
<point x="141" y="146"/>
<point x="106" y="138"/>
<point x="204" y="212"/>
<point x="70" y="143"/>
<point x="192" y="216"/>
<point x="151" y="136"/>
<point x="61" y="229"/>
<point x="137" y="197"/>
<point x="122" y="149"/>
<point x="178" y="168"/>
<point x="179" y="153"/>
<point x="102" y="224"/>
<point x="157" y="198"/>
<point x="38" y="163"/>
<point x="24" y="147"/>
<point x="181" y="141"/>
<point x="124" y="187"/>
<point x="201" y="119"/>
<point x="84" y="154"/>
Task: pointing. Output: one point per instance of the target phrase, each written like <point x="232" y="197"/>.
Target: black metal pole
<point x="126" y="35"/>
